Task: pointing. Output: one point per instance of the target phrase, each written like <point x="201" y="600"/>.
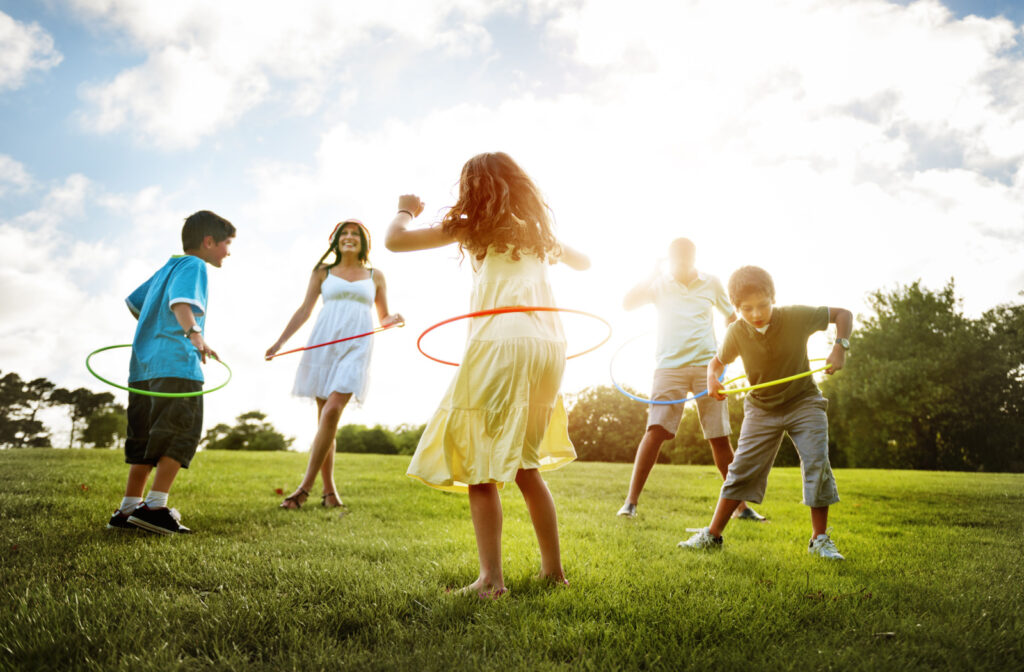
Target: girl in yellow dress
<point x="502" y="418"/>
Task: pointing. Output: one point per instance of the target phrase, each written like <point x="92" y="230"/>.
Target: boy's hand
<point x="836" y="360"/>
<point x="412" y="203"/>
<point x="272" y="350"/>
<point x="196" y="339"/>
<point x="715" y="388"/>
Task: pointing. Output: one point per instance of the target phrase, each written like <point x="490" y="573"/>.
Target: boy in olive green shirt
<point x="773" y="344"/>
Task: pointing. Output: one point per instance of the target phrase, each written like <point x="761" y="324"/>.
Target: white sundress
<point x="342" y="367"/>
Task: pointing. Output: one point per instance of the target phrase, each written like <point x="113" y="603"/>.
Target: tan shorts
<point x="674" y="384"/>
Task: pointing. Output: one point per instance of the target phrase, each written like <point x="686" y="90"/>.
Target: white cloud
<point x="207" y="64"/>
<point x="13" y="176"/>
<point x="23" y="48"/>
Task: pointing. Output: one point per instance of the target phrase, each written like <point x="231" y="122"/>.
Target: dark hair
<point x="201" y="224"/>
<point x="748" y="280"/>
<point x="499" y="205"/>
<point x="364" y="245"/>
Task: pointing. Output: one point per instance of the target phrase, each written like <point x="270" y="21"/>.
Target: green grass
<point x="934" y="577"/>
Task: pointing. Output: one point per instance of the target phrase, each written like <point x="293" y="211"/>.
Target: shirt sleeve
<point x="187" y="284"/>
<point x="728" y="351"/>
<point x="813" y="318"/>
<point x="722" y="299"/>
<point x="137" y="298"/>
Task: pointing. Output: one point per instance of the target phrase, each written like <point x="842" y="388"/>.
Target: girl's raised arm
<point x="401" y="239"/>
<point x="573" y="258"/>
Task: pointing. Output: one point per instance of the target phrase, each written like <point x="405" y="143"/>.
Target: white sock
<point x="156" y="499"/>
<point x="128" y="505"/>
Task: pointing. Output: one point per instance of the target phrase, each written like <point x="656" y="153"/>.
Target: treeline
<point x="96" y="421"/>
<point x="924" y="387"/>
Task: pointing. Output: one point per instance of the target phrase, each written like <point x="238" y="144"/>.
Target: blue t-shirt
<point x="160" y="349"/>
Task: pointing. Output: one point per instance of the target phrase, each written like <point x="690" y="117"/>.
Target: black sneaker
<point x="119" y="521"/>
<point x="160" y="521"/>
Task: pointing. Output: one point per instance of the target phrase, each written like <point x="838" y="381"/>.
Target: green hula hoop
<point x="771" y="382"/>
<point x="174" y="395"/>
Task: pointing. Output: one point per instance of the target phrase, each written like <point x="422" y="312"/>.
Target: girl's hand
<point x="272" y="350"/>
<point x="412" y="203"/>
<point x="394" y="318"/>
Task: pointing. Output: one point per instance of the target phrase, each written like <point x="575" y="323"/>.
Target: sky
<point x="844" y="145"/>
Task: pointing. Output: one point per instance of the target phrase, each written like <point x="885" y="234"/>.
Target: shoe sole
<point x="150" y="527"/>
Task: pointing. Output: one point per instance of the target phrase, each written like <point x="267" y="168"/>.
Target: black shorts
<point x="163" y="426"/>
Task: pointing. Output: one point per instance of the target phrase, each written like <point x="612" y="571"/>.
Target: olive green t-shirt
<point x="778" y="353"/>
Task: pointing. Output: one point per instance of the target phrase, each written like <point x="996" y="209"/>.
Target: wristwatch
<point x="843" y="343"/>
<point x="194" y="329"/>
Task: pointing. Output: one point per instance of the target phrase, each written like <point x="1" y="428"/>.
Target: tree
<point x="250" y="432"/>
<point x="107" y="427"/>
<point x="82" y="403"/>
<point x="401" y="440"/>
<point x="927" y="388"/>
<point x="605" y="425"/>
<point x="20" y="401"/>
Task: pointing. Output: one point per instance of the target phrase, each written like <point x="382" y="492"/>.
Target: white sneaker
<point x="823" y="546"/>
<point x="702" y="540"/>
<point x="628" y="510"/>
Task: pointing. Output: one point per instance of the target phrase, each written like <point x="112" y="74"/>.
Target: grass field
<point x="934" y="577"/>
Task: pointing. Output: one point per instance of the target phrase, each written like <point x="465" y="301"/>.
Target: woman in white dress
<point x="334" y="373"/>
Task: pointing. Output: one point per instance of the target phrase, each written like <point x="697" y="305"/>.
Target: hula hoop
<point x="513" y="309"/>
<point x="659" y="402"/>
<point x="347" y="338"/>
<point x="776" y="382"/>
<point x="148" y="393"/>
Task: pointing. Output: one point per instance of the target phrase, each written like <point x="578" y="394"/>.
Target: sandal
<point x="338" y="503"/>
<point x="294" y="499"/>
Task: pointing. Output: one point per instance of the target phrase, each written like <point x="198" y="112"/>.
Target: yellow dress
<point x="503" y="411"/>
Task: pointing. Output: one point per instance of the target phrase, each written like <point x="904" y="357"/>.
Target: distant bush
<point x="400" y="440"/>
<point x="250" y="433"/>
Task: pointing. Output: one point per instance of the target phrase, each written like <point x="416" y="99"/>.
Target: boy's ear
<point x="208" y="241"/>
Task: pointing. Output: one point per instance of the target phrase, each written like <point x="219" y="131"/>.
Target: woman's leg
<point x="329" y="414"/>
<point x="545" y="522"/>
<point x="485" y="507"/>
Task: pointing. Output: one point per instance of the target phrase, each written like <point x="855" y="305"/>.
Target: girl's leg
<point x="329" y="414"/>
<point x="485" y="507"/>
<point x="545" y="522"/>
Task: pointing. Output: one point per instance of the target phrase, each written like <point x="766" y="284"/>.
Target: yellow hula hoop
<point x="772" y="382"/>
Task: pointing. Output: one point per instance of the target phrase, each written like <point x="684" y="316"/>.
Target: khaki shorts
<point x="674" y="384"/>
<point x="760" y="437"/>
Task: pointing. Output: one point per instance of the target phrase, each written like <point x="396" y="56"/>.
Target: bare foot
<point x="296" y="499"/>
<point x="484" y="590"/>
<point x="557" y="580"/>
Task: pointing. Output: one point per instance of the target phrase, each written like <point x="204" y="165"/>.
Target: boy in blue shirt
<point x="164" y="432"/>
<point x="773" y="344"/>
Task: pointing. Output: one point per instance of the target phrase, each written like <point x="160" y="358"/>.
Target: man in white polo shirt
<point x="686" y="344"/>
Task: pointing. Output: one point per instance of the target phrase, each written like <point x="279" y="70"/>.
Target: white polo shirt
<point x="686" y="334"/>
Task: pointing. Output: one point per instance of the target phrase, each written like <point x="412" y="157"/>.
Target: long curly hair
<point x="499" y="205"/>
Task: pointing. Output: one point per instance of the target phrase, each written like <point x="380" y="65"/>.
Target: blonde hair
<point x="499" y="205"/>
